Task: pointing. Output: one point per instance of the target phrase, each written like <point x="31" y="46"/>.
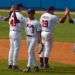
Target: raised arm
<point x="70" y="18"/>
<point x="62" y="19"/>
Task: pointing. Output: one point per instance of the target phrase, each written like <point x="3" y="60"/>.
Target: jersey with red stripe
<point x="48" y="21"/>
<point x="16" y="21"/>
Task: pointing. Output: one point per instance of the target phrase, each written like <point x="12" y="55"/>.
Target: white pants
<point x="14" y="47"/>
<point x="47" y="42"/>
<point x="31" y="51"/>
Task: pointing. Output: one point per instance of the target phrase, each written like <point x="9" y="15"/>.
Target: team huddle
<point x="37" y="32"/>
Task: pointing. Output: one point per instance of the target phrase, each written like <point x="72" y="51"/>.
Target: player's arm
<point x="70" y="18"/>
<point x="62" y="19"/>
<point x="23" y="20"/>
<point x="9" y="14"/>
<point x="5" y="18"/>
<point x="38" y="32"/>
<point x="39" y="36"/>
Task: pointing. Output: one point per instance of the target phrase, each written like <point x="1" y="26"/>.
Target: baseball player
<point x="33" y="32"/>
<point x="16" y="21"/>
<point x="48" y="20"/>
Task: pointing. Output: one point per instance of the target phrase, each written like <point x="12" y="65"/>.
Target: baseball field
<point x="62" y="57"/>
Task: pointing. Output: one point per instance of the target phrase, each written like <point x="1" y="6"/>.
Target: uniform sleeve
<point x="56" y="19"/>
<point x="40" y="20"/>
<point x="23" y="20"/>
<point x="38" y="26"/>
<point x="11" y="17"/>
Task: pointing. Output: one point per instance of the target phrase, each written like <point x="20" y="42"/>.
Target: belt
<point x="29" y="35"/>
<point x="45" y="31"/>
<point x="15" y="30"/>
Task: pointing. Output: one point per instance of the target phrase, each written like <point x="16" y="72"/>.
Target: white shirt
<point x="17" y="26"/>
<point x="48" y="21"/>
<point x="32" y="27"/>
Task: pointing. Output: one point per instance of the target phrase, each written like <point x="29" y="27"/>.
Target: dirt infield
<point x="61" y="51"/>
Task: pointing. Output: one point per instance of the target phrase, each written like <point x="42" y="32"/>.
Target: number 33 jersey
<point x="32" y="27"/>
<point x="48" y="21"/>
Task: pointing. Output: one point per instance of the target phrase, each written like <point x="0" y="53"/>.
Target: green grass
<point x="57" y="69"/>
<point x="65" y="32"/>
<point x="62" y="32"/>
<point x="4" y="29"/>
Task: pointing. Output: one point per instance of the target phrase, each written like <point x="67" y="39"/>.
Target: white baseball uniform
<point x="14" y="36"/>
<point x="47" y="21"/>
<point x="32" y="27"/>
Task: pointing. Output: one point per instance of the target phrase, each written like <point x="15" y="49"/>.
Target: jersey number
<point x="44" y="23"/>
<point x="31" y="27"/>
<point x="12" y="22"/>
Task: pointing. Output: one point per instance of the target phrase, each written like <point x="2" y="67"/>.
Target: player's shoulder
<point x="27" y="19"/>
<point x="55" y="17"/>
<point x="18" y="13"/>
<point x="36" y="20"/>
<point x="44" y="14"/>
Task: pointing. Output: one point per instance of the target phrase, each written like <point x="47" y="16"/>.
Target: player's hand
<point x="66" y="12"/>
<point x="69" y="17"/>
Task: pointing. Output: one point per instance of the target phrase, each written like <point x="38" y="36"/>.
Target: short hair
<point x="50" y="8"/>
<point x="17" y="6"/>
<point x="31" y="11"/>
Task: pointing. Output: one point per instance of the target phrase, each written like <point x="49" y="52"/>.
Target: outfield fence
<point x="40" y="4"/>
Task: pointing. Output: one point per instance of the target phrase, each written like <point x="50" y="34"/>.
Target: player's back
<point x="48" y="21"/>
<point x="15" y="21"/>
